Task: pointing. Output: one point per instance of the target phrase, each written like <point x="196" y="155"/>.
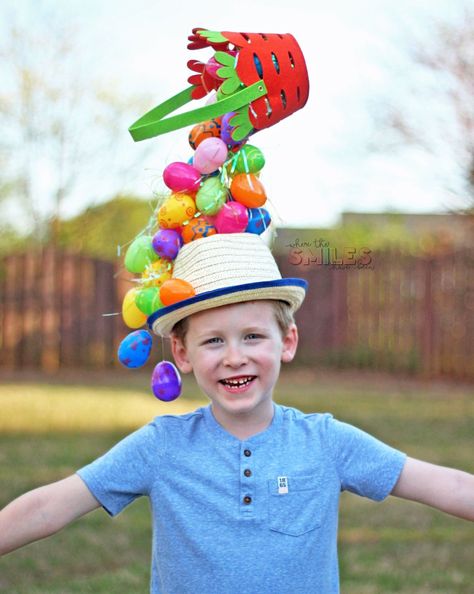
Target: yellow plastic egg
<point x="132" y="316"/>
<point x="156" y="273"/>
<point x="177" y="209"/>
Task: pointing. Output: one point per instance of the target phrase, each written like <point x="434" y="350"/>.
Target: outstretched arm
<point x="43" y="511"/>
<point x="449" y="490"/>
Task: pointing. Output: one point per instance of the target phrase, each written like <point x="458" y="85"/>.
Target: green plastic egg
<point x="211" y="196"/>
<point x="148" y="300"/>
<point x="249" y="159"/>
<point x="140" y="254"/>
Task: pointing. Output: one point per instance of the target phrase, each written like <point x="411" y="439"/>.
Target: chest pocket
<point x="298" y="511"/>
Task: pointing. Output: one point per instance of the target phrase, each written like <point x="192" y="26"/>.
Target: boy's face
<point x="235" y="352"/>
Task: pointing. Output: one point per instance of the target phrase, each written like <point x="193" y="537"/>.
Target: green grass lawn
<point x="48" y="430"/>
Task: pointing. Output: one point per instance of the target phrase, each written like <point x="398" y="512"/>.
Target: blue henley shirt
<point x="257" y="516"/>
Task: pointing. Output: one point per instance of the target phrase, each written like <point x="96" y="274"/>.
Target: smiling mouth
<point x="237" y="382"/>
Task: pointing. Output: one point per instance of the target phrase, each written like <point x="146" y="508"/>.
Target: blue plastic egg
<point x="135" y="349"/>
<point x="259" y="220"/>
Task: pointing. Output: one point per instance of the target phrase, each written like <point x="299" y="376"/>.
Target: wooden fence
<point x="401" y="313"/>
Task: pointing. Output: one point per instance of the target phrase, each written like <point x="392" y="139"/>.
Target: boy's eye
<point x="254" y="336"/>
<point x="213" y="340"/>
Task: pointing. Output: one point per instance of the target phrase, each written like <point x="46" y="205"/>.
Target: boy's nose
<point x="234" y="357"/>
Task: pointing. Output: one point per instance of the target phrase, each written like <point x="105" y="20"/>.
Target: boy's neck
<point x="244" y="426"/>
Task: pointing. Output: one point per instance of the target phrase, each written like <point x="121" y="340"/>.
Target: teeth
<point x="238" y="382"/>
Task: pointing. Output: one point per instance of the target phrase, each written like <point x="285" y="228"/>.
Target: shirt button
<point x="247" y="453"/>
<point x="247" y="500"/>
<point x="248" y="472"/>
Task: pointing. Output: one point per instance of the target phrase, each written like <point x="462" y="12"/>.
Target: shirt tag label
<point x="282" y="485"/>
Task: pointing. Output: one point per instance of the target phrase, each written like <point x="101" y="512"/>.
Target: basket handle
<point x="154" y="122"/>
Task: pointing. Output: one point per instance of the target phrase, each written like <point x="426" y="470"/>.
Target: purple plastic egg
<point x="167" y="243"/>
<point x="181" y="177"/>
<point x="227" y="129"/>
<point x="166" y="382"/>
<point x="135" y="348"/>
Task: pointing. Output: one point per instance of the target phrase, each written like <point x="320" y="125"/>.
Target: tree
<point x="439" y="115"/>
<point x="59" y="126"/>
<point x="101" y="229"/>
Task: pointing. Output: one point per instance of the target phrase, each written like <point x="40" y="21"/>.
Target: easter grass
<point x="50" y="428"/>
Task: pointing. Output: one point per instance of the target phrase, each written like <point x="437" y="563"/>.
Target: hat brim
<point x="291" y="290"/>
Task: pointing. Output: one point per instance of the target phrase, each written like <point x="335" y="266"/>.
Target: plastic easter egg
<point x="167" y="243"/>
<point x="259" y="220"/>
<point x="166" y="382"/>
<point x="132" y="316"/>
<point x="232" y="218"/>
<point x="148" y="300"/>
<point x="139" y="254"/>
<point x="227" y="129"/>
<point x="209" y="129"/>
<point x="211" y="196"/>
<point x="212" y="67"/>
<point x="247" y="189"/>
<point x="156" y="273"/>
<point x="135" y="349"/>
<point x="249" y="159"/>
<point x="210" y="155"/>
<point x="175" y="290"/>
<point x="176" y="209"/>
<point x="198" y="228"/>
<point x="181" y="177"/>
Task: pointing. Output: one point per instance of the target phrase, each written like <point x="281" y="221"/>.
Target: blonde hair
<point x="283" y="316"/>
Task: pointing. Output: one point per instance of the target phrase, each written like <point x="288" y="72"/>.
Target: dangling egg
<point x="174" y="290"/>
<point x="209" y="129"/>
<point x="247" y="189"/>
<point x="148" y="300"/>
<point x="132" y="316"/>
<point x="259" y="220"/>
<point x="211" y="196"/>
<point x="140" y="254"/>
<point x="210" y="155"/>
<point x="231" y="218"/>
<point x="198" y="228"/>
<point x="181" y="177"/>
<point x="176" y="209"/>
<point x="167" y="243"/>
<point x="135" y="349"/>
<point x="166" y="382"/>
<point x="249" y="159"/>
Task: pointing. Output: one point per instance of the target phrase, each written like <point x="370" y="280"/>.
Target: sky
<point x="319" y="161"/>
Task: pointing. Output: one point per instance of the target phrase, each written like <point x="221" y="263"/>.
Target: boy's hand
<point x="44" y="511"/>
<point x="446" y="489"/>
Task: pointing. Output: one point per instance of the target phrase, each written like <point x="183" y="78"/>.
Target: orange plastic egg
<point x="175" y="290"/>
<point x="196" y="229"/>
<point x="200" y="132"/>
<point x="176" y="209"/>
<point x="247" y="189"/>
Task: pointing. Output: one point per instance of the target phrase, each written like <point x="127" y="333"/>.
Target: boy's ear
<point x="290" y="344"/>
<point x="180" y="355"/>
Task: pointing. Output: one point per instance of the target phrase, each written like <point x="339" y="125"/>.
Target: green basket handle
<point x="152" y="123"/>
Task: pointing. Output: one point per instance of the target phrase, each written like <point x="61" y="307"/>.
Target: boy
<point x="244" y="492"/>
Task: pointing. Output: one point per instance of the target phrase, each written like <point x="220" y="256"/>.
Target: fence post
<point x="427" y="317"/>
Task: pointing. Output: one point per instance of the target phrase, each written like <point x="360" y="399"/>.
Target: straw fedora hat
<point x="226" y="268"/>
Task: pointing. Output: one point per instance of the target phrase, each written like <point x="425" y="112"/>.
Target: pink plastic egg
<point x="210" y="155"/>
<point x="231" y="218"/>
<point x="181" y="177"/>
